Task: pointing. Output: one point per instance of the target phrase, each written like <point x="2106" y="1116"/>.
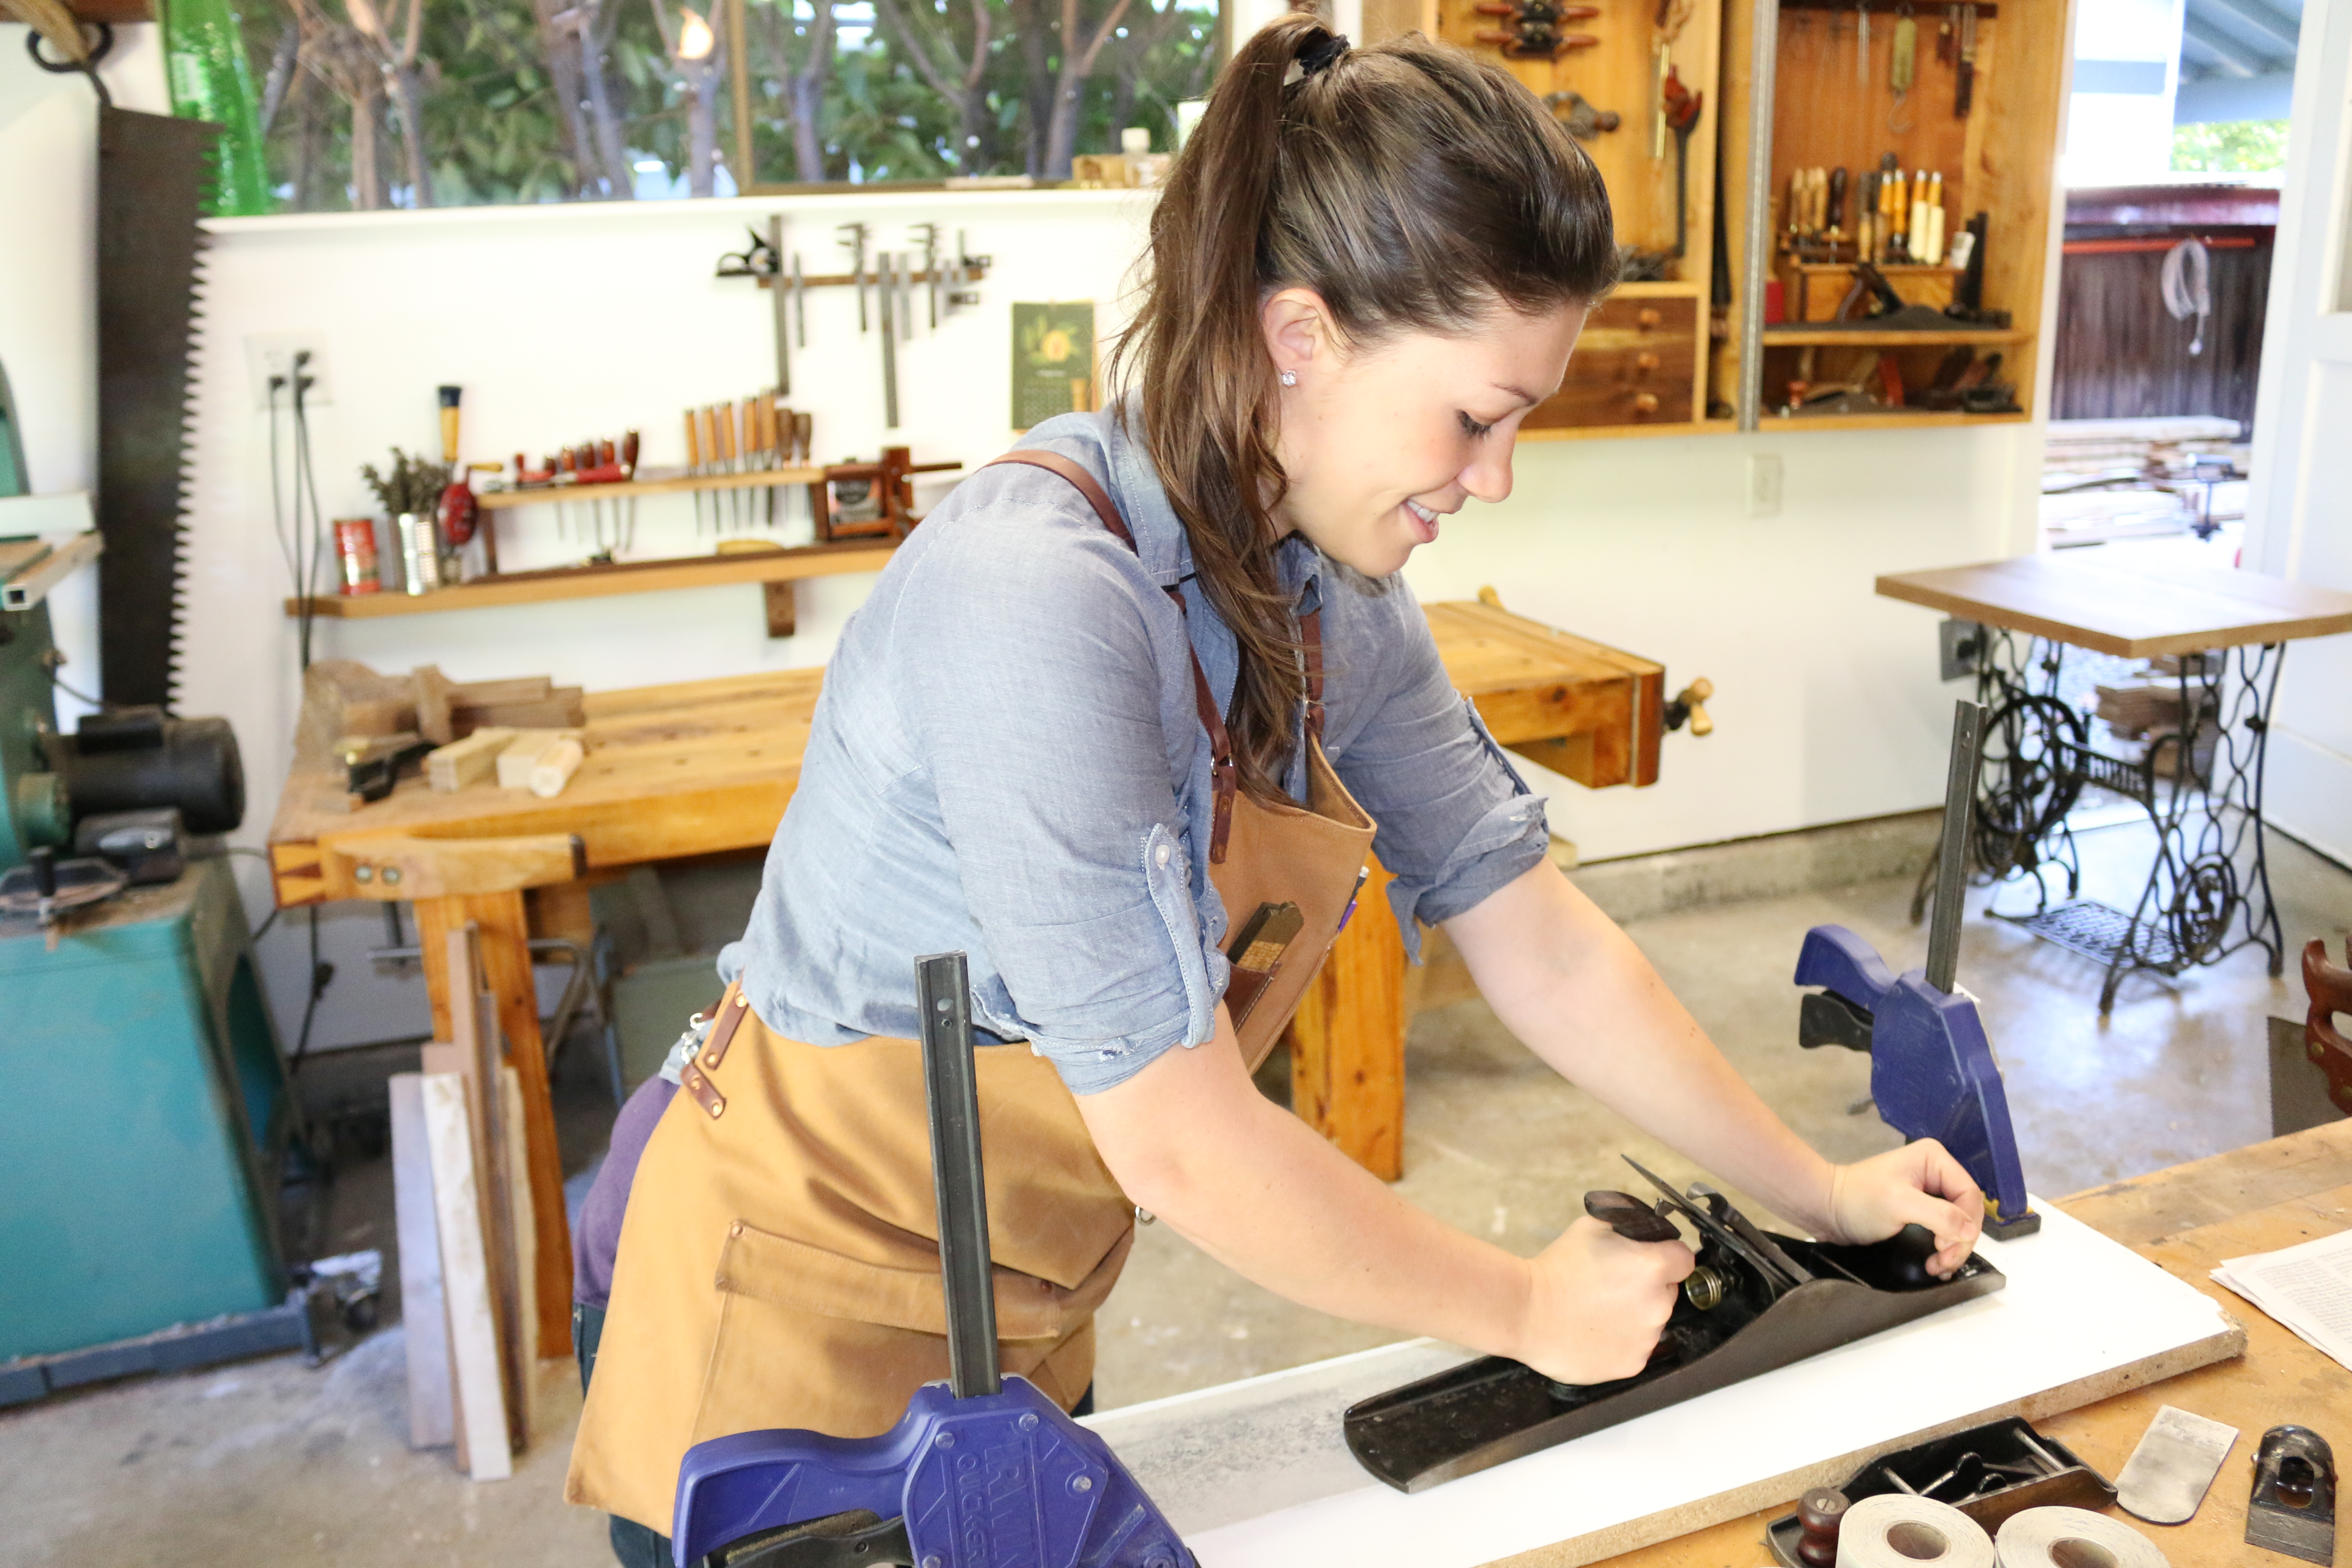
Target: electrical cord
<point x="2187" y="286"/>
<point x="309" y="533"/>
<point x="321" y="976"/>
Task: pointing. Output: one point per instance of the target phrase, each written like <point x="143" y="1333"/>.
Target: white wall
<point x="2296" y="513"/>
<point x="566" y="322"/>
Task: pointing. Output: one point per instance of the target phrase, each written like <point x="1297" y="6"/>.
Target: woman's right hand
<point x="1597" y="1302"/>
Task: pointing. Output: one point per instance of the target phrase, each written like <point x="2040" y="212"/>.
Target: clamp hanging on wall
<point x="892" y="275"/>
<point x="1534" y="28"/>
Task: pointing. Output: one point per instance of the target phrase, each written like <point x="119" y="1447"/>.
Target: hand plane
<point x="1931" y="1068"/>
<point x="1756" y="1301"/>
<point x="982" y="1471"/>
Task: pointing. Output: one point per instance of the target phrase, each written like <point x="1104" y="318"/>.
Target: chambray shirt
<point x="1007" y="759"/>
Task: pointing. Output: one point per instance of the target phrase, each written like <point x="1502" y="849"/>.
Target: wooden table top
<point x="709" y="765"/>
<point x="2188" y="1219"/>
<point x="2091" y="599"/>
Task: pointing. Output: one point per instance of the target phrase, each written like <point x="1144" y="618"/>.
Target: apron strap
<point x="1311" y="642"/>
<point x="1221" y="745"/>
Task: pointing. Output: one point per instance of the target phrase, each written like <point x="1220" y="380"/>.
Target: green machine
<point x="145" y="1108"/>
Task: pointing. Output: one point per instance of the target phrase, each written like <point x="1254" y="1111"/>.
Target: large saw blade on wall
<point x="151" y="170"/>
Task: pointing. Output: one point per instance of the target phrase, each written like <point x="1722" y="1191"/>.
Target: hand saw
<point x="982" y="1471"/>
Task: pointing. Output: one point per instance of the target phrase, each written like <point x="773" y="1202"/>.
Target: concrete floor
<point x="272" y="1461"/>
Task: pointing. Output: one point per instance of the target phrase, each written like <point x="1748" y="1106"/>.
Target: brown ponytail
<point x="1415" y="189"/>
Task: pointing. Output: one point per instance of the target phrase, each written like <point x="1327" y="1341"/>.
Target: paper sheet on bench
<point x="2307" y="1288"/>
<point x="1257" y="1475"/>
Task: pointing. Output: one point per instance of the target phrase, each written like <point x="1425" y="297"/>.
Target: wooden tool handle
<point x="1630" y="1217"/>
<point x="1691" y="701"/>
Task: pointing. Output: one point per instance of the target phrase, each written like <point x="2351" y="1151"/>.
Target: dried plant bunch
<point x="415" y="484"/>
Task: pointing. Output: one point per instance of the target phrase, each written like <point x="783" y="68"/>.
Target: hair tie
<point x="1318" y="55"/>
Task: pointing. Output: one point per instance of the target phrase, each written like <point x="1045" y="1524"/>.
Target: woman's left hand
<point x="1919" y="1183"/>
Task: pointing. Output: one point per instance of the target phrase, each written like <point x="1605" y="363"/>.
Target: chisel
<point x="854" y="243"/>
<point x="780" y="304"/>
<point x="890" y="346"/>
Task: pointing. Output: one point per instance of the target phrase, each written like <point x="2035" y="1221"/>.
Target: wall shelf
<point x="669" y="484"/>
<point x="1863" y="337"/>
<point x="777" y="565"/>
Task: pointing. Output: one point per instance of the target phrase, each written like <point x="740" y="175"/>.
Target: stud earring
<point x="1290" y="378"/>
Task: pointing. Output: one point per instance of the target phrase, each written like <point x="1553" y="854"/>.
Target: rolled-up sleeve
<point x="1456" y="822"/>
<point x="1033" y="680"/>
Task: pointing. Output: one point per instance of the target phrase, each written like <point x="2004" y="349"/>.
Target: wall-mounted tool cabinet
<point x="1964" y="99"/>
<point x="1954" y="106"/>
<point x="1634" y="80"/>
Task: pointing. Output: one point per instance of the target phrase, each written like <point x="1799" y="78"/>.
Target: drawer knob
<point x="1645" y="361"/>
<point x="1648" y="316"/>
<point x="1645" y="403"/>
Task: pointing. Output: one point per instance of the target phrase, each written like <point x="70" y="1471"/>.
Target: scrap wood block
<point x="563" y="707"/>
<point x="555" y="767"/>
<point x="343" y="697"/>
<point x="461" y="762"/>
<point x="523" y="751"/>
<point x="449" y="710"/>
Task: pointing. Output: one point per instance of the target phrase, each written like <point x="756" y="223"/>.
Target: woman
<point x="1124" y="697"/>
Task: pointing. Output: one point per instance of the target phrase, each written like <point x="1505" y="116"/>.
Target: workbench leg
<point x="1347" y="1042"/>
<point x="506" y="964"/>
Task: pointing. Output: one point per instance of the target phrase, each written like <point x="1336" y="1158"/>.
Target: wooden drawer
<point x="1636" y="365"/>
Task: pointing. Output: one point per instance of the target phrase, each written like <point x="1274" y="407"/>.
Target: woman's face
<point x="1382" y="442"/>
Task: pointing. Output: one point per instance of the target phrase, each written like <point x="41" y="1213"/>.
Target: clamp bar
<point x="1952" y="854"/>
<point x="952" y="1087"/>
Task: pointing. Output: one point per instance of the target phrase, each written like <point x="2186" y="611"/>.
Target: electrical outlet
<point x="1763" y="484"/>
<point x="268" y="354"/>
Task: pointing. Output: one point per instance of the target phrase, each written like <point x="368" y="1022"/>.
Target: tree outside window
<point x="393" y="103"/>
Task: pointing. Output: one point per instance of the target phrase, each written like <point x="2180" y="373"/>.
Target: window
<point x="379" y="103"/>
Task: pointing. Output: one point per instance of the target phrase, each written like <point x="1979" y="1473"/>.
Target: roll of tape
<point x="1897" y="1530"/>
<point x="2073" y="1538"/>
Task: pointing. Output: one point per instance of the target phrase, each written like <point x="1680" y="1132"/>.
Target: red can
<point x="355" y="548"/>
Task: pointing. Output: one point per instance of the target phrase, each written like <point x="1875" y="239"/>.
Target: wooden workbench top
<point x="704" y="766"/>
<point x="2090" y="599"/>
<point x="2188" y="1219"/>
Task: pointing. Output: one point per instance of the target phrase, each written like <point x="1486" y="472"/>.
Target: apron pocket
<point x="776" y="1269"/>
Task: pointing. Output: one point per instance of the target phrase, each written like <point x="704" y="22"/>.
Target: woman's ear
<point x="1299" y="336"/>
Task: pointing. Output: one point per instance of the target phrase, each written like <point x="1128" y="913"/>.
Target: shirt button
<point x="1160" y="855"/>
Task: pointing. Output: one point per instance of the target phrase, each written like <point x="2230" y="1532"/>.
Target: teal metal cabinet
<point x="144" y="1109"/>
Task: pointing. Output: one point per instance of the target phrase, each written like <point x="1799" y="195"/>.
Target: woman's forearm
<point x="1192" y="1140"/>
<point x="1561" y="976"/>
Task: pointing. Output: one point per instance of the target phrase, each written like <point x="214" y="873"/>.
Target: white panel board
<point x="2081" y="1317"/>
<point x="425" y="1325"/>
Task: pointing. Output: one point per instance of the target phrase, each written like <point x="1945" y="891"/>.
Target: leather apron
<point x="779" y="1256"/>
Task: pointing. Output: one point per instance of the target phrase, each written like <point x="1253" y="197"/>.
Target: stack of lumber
<point x="2121" y="478"/>
<point x="462" y="1204"/>
<point x="2146" y="710"/>
<point x="2157" y="447"/>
